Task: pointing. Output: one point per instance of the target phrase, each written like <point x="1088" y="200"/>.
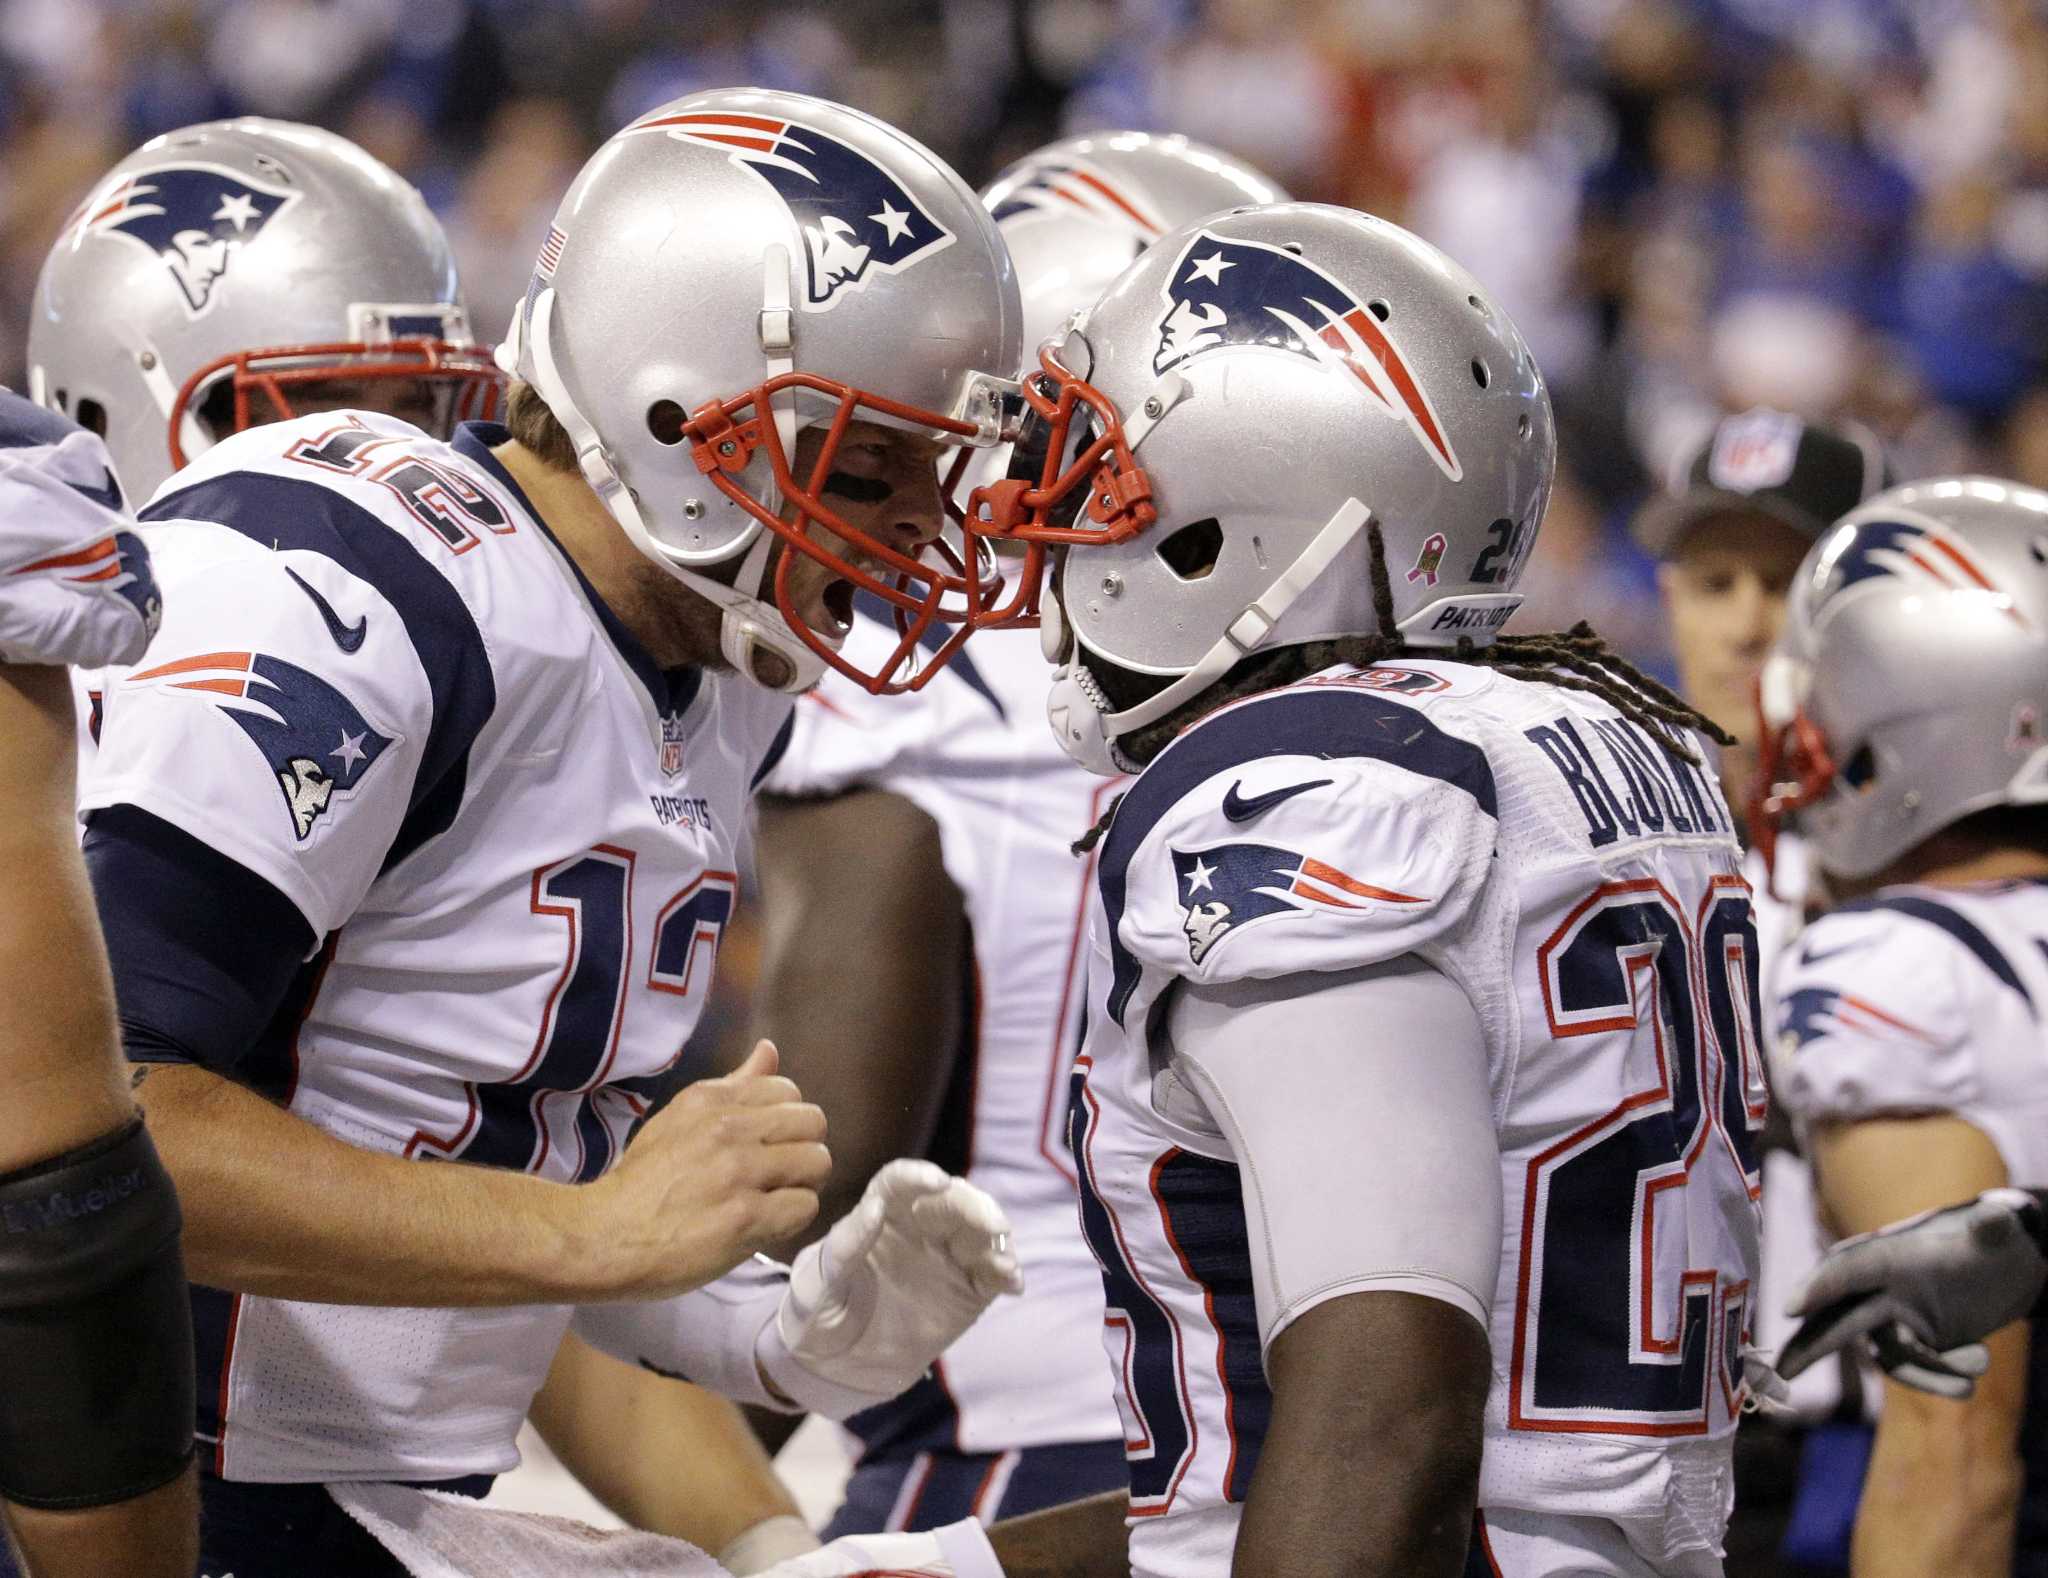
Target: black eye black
<point x="861" y="490"/>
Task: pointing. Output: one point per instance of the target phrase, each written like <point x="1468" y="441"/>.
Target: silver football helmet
<point x="235" y="257"/>
<point x="1221" y="427"/>
<point x="1076" y="213"/>
<point x="1909" y="686"/>
<point x="735" y="266"/>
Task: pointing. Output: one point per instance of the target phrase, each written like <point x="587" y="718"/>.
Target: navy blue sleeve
<point x="777" y="749"/>
<point x="205" y="952"/>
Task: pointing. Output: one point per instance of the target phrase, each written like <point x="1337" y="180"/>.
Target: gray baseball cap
<point x="1801" y="474"/>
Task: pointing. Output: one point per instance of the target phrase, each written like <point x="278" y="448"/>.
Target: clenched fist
<point x="732" y="1165"/>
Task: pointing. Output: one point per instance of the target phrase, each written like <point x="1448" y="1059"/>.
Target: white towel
<point x="438" y="1535"/>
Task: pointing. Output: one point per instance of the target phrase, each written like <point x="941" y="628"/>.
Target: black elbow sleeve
<point x="96" y="1382"/>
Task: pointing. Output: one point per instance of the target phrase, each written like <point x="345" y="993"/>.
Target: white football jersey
<point x="973" y="750"/>
<point x="1922" y="999"/>
<point x="75" y="579"/>
<point x="1583" y="887"/>
<point x="382" y="687"/>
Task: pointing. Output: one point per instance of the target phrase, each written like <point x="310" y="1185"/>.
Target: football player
<point x="923" y="1052"/>
<point x="96" y="1380"/>
<point x="1417" y="1109"/>
<point x="345" y="297"/>
<point x="415" y="834"/>
<point x="1902" y="717"/>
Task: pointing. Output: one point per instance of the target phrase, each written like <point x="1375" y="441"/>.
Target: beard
<point x="678" y="626"/>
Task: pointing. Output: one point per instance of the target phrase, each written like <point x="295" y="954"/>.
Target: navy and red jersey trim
<point x="288" y="513"/>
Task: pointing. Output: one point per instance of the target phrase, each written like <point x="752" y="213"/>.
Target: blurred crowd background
<point x="1830" y="206"/>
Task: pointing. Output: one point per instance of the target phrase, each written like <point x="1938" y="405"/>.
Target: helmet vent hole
<point x="665" y="422"/>
<point x="1477" y="306"/>
<point x="1191" y="553"/>
<point x="1291" y="246"/>
<point x="1480" y="375"/>
<point x="1379" y="309"/>
<point x="92" y="416"/>
<point x="1522" y="425"/>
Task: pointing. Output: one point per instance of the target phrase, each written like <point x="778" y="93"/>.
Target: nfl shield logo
<point x="1754" y="451"/>
<point x="671" y="744"/>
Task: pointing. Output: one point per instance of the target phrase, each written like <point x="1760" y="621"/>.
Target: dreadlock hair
<point x="1575" y="659"/>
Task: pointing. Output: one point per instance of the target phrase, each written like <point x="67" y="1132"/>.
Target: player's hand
<point x="958" y="1550"/>
<point x="889" y="1289"/>
<point x="1925" y="1292"/>
<point x="729" y="1167"/>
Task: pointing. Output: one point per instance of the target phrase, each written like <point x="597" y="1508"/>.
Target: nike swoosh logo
<point x="107" y="494"/>
<point x="347" y="637"/>
<point x="1808" y="956"/>
<point x="1236" y="808"/>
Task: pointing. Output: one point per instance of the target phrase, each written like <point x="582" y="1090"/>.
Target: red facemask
<point x="1039" y="509"/>
<point x="937" y="597"/>
<point x="474" y="383"/>
<point x="1795" y="769"/>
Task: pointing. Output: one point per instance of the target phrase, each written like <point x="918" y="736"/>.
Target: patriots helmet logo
<point x="1919" y="551"/>
<point x="195" y="217"/>
<point x="1071" y="188"/>
<point x="1229" y="886"/>
<point x="856" y="219"/>
<point x="1230" y="294"/>
<point x="317" y="744"/>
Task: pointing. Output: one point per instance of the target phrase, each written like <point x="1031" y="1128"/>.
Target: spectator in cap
<point x="1728" y="538"/>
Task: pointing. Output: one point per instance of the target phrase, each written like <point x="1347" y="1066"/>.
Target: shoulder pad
<point x="1308" y="829"/>
<point x="1871" y="1016"/>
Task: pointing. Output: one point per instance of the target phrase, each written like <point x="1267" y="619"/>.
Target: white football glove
<point x="1926" y="1291"/>
<point x="958" y="1550"/>
<point x="888" y="1290"/>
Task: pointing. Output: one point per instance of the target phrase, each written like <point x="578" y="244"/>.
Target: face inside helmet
<point x="938" y="583"/>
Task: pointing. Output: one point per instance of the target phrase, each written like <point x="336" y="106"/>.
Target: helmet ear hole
<point x="1191" y="553"/>
<point x="1861" y="768"/>
<point x="92" y="416"/>
<point x="665" y="422"/>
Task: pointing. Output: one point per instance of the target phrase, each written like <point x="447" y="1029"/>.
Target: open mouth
<point x="837" y="602"/>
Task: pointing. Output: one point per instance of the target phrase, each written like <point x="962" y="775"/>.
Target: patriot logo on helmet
<point x="1234" y="885"/>
<point x="857" y="220"/>
<point x="1251" y="295"/>
<point x="317" y="743"/>
<point x="195" y="217"/>
<point x="1919" y="551"/>
<point x="1069" y="188"/>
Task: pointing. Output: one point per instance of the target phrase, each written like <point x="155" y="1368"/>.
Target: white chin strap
<point x="1079" y="711"/>
<point x="750" y="625"/>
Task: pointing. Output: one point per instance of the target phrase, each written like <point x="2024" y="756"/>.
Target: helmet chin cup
<point x="745" y="641"/>
<point x="1078" y="721"/>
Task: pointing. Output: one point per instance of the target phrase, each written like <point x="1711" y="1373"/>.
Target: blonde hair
<point x="537" y="429"/>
